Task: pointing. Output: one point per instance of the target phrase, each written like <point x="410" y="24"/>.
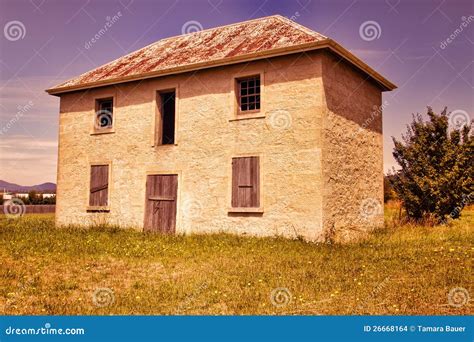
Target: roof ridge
<point x="223" y="26"/>
<point x="276" y="16"/>
<point x="299" y="27"/>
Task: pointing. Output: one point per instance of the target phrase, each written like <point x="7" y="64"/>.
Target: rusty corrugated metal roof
<point x="221" y="45"/>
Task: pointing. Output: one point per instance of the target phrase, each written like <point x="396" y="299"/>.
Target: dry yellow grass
<point x="401" y="270"/>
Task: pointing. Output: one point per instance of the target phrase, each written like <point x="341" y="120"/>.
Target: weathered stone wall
<point x="288" y="140"/>
<point x="351" y="152"/>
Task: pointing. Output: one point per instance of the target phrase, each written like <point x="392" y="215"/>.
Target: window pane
<point x="249" y="96"/>
<point x="106" y="105"/>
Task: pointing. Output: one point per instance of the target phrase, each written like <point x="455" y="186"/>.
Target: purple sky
<point x="50" y="48"/>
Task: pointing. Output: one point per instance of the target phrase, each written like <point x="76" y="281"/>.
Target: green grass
<point x="400" y="270"/>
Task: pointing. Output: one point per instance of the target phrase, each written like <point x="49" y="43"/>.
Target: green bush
<point x="435" y="180"/>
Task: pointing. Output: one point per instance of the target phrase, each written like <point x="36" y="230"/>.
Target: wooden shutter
<point x="245" y="182"/>
<point x="99" y="187"/>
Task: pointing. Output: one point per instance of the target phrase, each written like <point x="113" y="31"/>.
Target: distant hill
<point x="44" y="187"/>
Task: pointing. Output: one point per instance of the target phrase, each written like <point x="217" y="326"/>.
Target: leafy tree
<point x="34" y="197"/>
<point x="436" y="176"/>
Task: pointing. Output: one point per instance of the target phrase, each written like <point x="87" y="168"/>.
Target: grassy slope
<point x="408" y="270"/>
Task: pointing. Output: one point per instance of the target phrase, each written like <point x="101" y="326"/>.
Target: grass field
<point x="400" y="270"/>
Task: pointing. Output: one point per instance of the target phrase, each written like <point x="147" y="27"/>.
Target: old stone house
<point x="262" y="127"/>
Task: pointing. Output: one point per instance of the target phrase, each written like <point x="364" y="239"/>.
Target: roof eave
<point x="326" y="43"/>
<point x="349" y="56"/>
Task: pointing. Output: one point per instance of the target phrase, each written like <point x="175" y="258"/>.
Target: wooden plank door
<point x="160" y="206"/>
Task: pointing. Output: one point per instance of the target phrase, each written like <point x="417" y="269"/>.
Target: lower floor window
<point x="99" y="186"/>
<point x="246" y="182"/>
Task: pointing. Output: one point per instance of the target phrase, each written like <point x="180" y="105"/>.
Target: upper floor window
<point x="104" y="114"/>
<point x="248" y="92"/>
<point x="166" y="120"/>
